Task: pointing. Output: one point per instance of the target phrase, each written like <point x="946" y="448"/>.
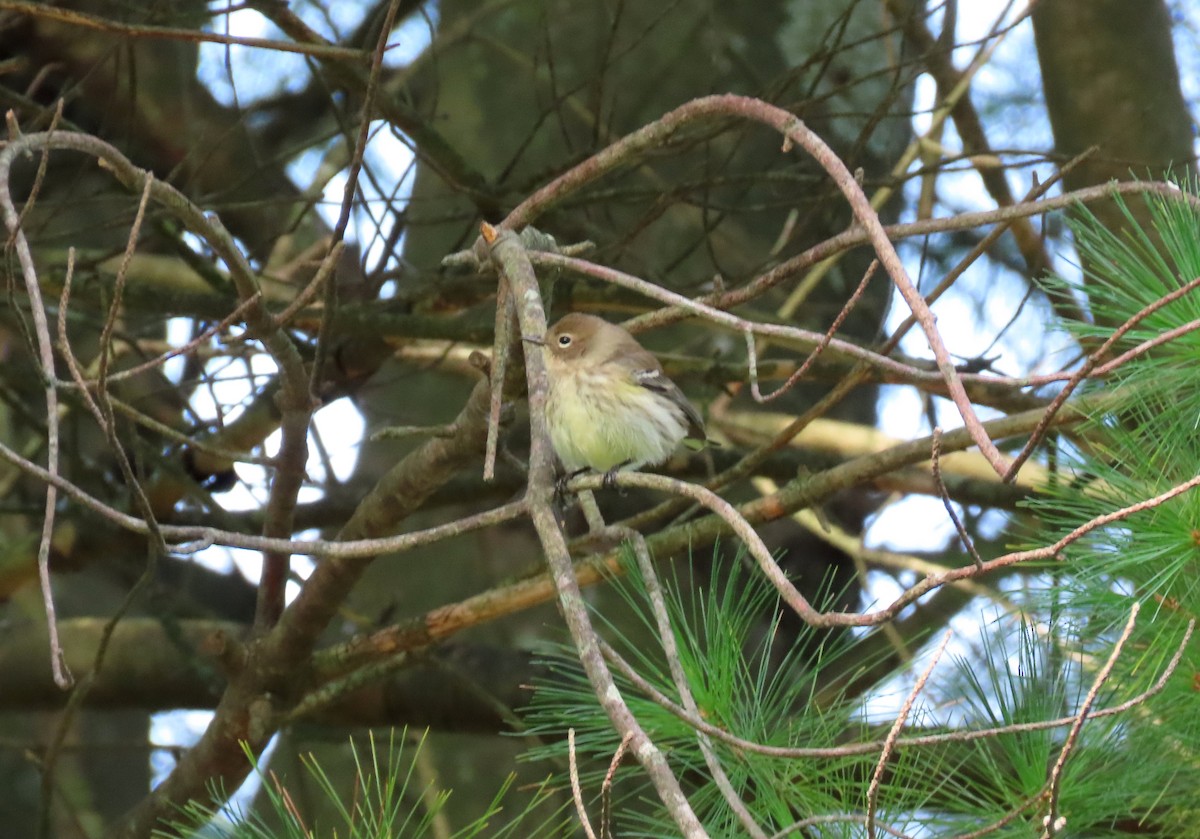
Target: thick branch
<point x="156" y="665"/>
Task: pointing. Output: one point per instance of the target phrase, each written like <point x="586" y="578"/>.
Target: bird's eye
<point x="564" y="340"/>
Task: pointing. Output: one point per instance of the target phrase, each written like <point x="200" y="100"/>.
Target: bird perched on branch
<point x="610" y="404"/>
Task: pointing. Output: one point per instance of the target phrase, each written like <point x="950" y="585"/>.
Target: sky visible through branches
<point x="985" y="313"/>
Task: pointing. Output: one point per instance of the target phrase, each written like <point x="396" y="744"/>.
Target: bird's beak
<point x="529" y="339"/>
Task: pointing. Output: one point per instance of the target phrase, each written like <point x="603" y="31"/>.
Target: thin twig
<point x="812" y="357"/>
<point x="576" y="789"/>
<point x="666" y="637"/>
<point x="734" y="322"/>
<point x="889" y="743"/>
<point x="39" y="177"/>
<point x="916" y="741"/>
<point x="891" y="369"/>
<point x="191" y="538"/>
<point x="114" y="307"/>
<point x="1004" y="820"/>
<point x="836" y="818"/>
<point x="736" y="522"/>
<point x="935" y="457"/>
<point x="922" y="587"/>
<point x="1146" y="346"/>
<point x="183" y="349"/>
<point x="591" y="511"/>
<point x="101" y="24"/>
<point x="324" y="272"/>
<point x="1001" y="217"/>
<point x="502" y="348"/>
<point x="16" y="239"/>
<point x="101" y="407"/>
<point x="369" y="95"/>
<point x="64" y="342"/>
<point x="967" y="122"/>
<point x="336" y="689"/>
<point x="606" y="831"/>
<point x="1053" y="821"/>
<point x="1090" y="365"/>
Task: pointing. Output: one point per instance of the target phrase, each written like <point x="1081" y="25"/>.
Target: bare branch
<point x="606" y="831"/>
<point x="513" y="263"/>
<point x="889" y="744"/>
<point x="1087" y="368"/>
<point x="576" y="789"/>
<point x="16" y="239"/>
<point x="99" y="24"/>
<point x="666" y="637"/>
<point x="846" y="309"/>
<point x="935" y="458"/>
<point x="914" y="741"/>
<point x="1053" y="821"/>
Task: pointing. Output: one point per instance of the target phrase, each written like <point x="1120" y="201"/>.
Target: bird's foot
<point x="560" y="483"/>
<point x="610" y="477"/>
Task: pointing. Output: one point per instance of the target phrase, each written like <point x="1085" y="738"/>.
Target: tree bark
<point x="1111" y="81"/>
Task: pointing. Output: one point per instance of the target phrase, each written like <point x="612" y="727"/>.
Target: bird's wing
<point x="653" y="378"/>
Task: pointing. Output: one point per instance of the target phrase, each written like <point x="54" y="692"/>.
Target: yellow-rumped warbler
<point x="610" y="404"/>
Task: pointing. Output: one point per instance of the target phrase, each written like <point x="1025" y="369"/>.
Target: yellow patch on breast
<point x="605" y="425"/>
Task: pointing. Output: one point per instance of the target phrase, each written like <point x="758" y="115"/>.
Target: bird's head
<point x="578" y="337"/>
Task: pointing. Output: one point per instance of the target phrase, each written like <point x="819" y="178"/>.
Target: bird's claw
<point x="560" y="483"/>
<point x="560" y="486"/>
<point x="610" y="478"/>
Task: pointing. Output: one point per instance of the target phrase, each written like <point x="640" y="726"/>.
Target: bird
<point x="610" y="405"/>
